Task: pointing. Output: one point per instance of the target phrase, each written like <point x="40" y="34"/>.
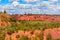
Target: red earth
<point x="38" y="17"/>
<point x="55" y="33"/>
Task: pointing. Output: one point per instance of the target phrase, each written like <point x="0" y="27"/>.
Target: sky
<point x="30" y="6"/>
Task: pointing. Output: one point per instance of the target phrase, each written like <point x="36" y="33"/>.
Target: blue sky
<point x="30" y="6"/>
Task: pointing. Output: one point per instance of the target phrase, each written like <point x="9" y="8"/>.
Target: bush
<point x="10" y="30"/>
<point x="2" y="36"/>
<point x="57" y="39"/>
<point x="35" y="38"/>
<point x="24" y="38"/>
<point x="49" y="37"/>
<point x="41" y="36"/>
<point x="17" y="36"/>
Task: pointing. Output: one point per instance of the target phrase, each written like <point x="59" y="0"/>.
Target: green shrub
<point x="24" y="38"/>
<point x="2" y="36"/>
<point x="10" y="30"/>
<point x="41" y="36"/>
<point x="49" y="37"/>
<point x="10" y="38"/>
<point x="57" y="39"/>
<point x="17" y="36"/>
<point x="35" y="38"/>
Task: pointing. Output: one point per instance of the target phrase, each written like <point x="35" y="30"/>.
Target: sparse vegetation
<point x="24" y="38"/>
<point x="41" y="36"/>
<point x="25" y="25"/>
<point x="49" y="37"/>
<point x="2" y="36"/>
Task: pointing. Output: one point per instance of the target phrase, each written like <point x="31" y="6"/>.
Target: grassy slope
<point x="40" y="24"/>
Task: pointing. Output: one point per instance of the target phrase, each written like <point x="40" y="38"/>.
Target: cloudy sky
<point x="30" y="6"/>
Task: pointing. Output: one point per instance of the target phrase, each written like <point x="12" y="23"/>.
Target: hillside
<point x="29" y="27"/>
<point x="4" y="19"/>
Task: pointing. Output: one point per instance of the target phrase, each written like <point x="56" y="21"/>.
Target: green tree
<point x="5" y="11"/>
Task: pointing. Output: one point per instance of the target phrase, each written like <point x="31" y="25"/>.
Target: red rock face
<point x="38" y="17"/>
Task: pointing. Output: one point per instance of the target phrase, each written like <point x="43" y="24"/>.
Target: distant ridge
<point x="46" y="17"/>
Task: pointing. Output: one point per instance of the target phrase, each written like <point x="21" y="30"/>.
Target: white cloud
<point x="1" y="7"/>
<point x="13" y="0"/>
<point x="15" y="3"/>
<point x="30" y="0"/>
<point x="54" y="0"/>
<point x="25" y="5"/>
<point x="40" y="7"/>
<point x="50" y="6"/>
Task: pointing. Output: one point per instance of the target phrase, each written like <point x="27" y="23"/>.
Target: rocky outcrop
<point x="38" y="17"/>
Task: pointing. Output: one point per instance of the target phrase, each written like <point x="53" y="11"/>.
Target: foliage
<point x="49" y="37"/>
<point x="10" y="38"/>
<point x="5" y="11"/>
<point x="41" y="36"/>
<point x="17" y="36"/>
<point x="26" y="25"/>
<point x="2" y="36"/>
<point x="24" y="38"/>
<point x="10" y="30"/>
<point x="12" y="18"/>
<point x="40" y="24"/>
<point x="2" y="28"/>
<point x="57" y="39"/>
<point x="35" y="38"/>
